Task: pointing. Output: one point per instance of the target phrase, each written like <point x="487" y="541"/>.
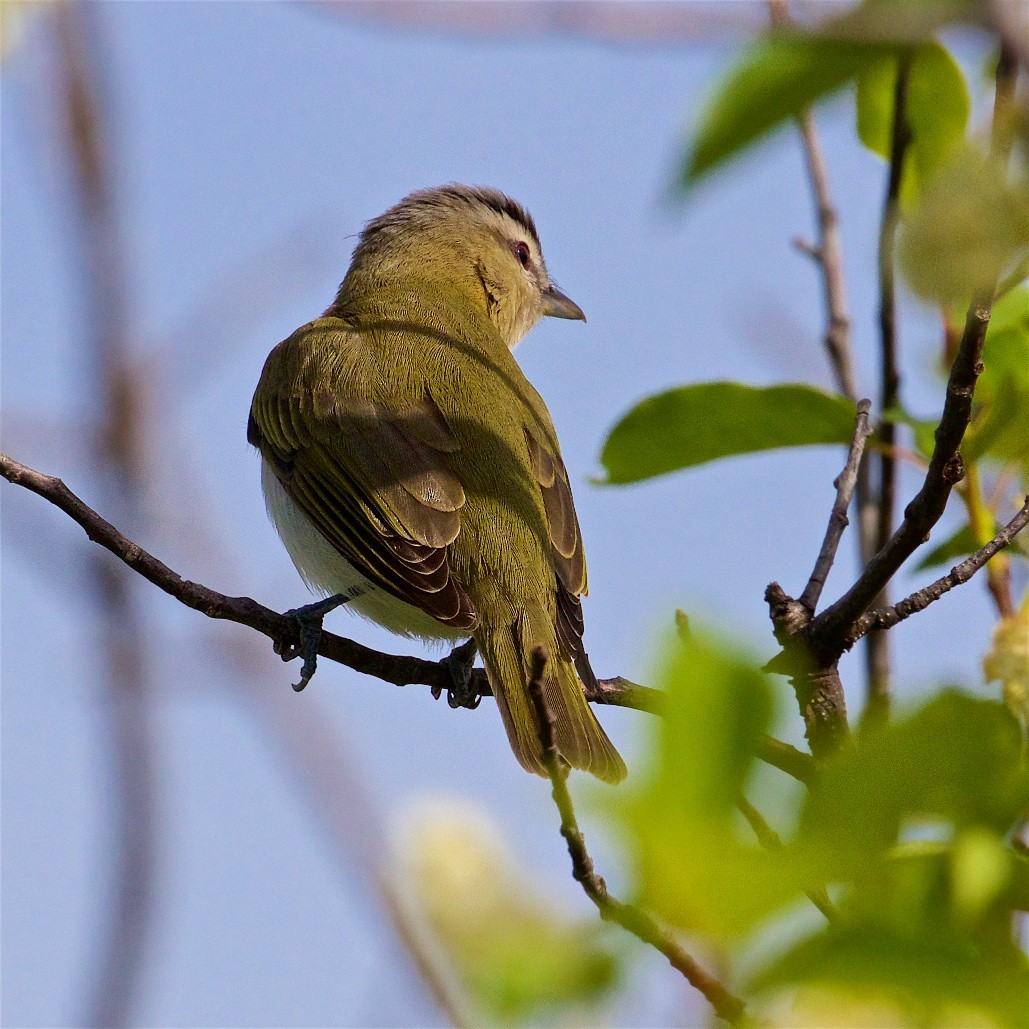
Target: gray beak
<point x="557" y="305"/>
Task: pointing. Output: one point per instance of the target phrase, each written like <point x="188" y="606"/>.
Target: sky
<point x="252" y="141"/>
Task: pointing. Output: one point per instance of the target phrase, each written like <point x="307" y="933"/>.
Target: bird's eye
<point x="522" y="253"/>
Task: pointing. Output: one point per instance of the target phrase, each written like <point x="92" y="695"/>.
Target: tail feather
<point x="580" y="738"/>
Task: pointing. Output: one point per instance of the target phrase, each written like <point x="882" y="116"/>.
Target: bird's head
<point x="473" y="239"/>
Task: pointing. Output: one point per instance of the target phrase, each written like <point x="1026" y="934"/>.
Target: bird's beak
<point x="557" y="305"/>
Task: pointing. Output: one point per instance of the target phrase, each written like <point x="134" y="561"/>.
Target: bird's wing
<point x="378" y="485"/>
<point x="566" y="551"/>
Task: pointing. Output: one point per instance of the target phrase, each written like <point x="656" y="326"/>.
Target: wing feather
<point x="378" y="485"/>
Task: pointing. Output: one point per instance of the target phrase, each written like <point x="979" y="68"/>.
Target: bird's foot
<point x="309" y="618"/>
<point x="458" y="664"/>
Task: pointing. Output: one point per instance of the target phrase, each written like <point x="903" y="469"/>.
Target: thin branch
<point x="769" y="839"/>
<point x="635" y="921"/>
<point x="877" y="655"/>
<point x="838" y="520"/>
<point x="280" y="628"/>
<point x="921" y="599"/>
<point x="830" y="630"/>
<point x="827" y="252"/>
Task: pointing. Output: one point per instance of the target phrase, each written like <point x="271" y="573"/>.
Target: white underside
<point x="326" y="571"/>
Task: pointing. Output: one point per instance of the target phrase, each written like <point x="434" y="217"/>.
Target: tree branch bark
<point x="959" y="574"/>
<point x="280" y="628"/>
<point x="877" y="654"/>
<point x="632" y="919"/>
<point x="838" y="520"/>
<point x="829" y="631"/>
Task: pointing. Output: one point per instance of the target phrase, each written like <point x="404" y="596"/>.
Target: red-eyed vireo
<point x="409" y="465"/>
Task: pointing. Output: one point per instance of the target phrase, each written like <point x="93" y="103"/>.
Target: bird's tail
<point x="507" y="654"/>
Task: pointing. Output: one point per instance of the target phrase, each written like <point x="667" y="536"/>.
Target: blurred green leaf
<point x="694" y="424"/>
<point x="981" y="870"/>
<point x="777" y="80"/>
<point x="694" y="863"/>
<point x="957" y="759"/>
<point x="933" y="977"/>
<point x="1006" y="349"/>
<point x="512" y="948"/>
<point x="998" y="428"/>
<point x="963" y="542"/>
<point x="1002" y="393"/>
<point x="937" y="111"/>
<point x="970" y="223"/>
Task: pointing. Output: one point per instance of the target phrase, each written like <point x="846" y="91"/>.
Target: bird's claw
<point x="458" y="664"/>
<point x="309" y="619"/>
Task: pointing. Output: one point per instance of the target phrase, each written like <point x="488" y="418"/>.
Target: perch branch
<point x="395" y="669"/>
<point x="961" y="573"/>
<point x="635" y="921"/>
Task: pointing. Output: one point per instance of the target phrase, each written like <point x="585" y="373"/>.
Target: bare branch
<point x="769" y="839"/>
<point x="830" y="630"/>
<point x="961" y="573"/>
<point x="877" y="656"/>
<point x="395" y="669"/>
<point x="635" y="921"/>
<point x="838" y="520"/>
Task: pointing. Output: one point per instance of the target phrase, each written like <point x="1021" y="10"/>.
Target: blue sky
<point x="253" y="141"/>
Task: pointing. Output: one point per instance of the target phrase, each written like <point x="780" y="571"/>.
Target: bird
<point x="414" y="473"/>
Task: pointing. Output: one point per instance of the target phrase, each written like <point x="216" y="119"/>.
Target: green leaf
<point x="694" y="424"/>
<point x="1006" y="350"/>
<point x="970" y="224"/>
<point x="962" y="543"/>
<point x="507" y="941"/>
<point x="998" y="428"/>
<point x="780" y="77"/>
<point x="689" y="856"/>
<point x="937" y="110"/>
<point x="935" y="978"/>
<point x="957" y="759"/>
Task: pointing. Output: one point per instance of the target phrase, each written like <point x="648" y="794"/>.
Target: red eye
<point x="522" y="253"/>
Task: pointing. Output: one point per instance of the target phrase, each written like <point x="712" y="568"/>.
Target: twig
<point x="827" y="251"/>
<point x="391" y="668"/>
<point x="831" y="629"/>
<point x="769" y="839"/>
<point x="961" y="573"/>
<point x="838" y="520"/>
<point x="637" y="922"/>
<point x="877" y="655"/>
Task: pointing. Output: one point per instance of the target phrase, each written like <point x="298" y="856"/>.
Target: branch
<point x="838" y="520"/>
<point x="921" y="599"/>
<point x="833" y="626"/>
<point x="827" y="253"/>
<point x="391" y="668"/>
<point x="769" y="839"/>
<point x="878" y="654"/>
<point x="635" y="921"/>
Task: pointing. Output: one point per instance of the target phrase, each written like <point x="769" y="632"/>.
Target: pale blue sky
<point x="261" y="137"/>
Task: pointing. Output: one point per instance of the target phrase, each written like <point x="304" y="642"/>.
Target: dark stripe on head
<point x="503" y="204"/>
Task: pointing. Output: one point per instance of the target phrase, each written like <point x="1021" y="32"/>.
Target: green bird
<point x="413" y="472"/>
